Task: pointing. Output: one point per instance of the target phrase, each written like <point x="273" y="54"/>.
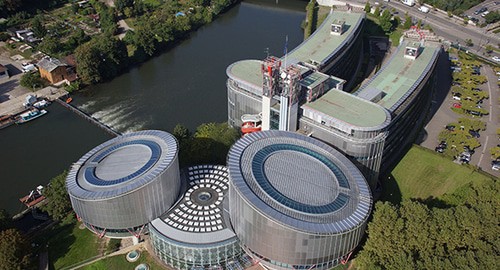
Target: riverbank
<point x="15" y="105"/>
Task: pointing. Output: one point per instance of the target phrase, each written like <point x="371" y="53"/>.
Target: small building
<point x="337" y="27"/>
<point x="53" y="70"/>
<point x="4" y="72"/>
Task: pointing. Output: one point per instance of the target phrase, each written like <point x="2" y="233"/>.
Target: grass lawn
<point x="70" y="245"/>
<point x="423" y="174"/>
<point x="120" y="263"/>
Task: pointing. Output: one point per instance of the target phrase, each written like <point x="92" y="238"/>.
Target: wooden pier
<point x="89" y="118"/>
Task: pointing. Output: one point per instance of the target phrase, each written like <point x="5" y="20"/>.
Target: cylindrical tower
<point x="124" y="183"/>
<point x="295" y="202"/>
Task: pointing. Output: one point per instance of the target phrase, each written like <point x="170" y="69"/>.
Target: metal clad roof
<point x="83" y="182"/>
<point x="350" y="204"/>
<point x="400" y="76"/>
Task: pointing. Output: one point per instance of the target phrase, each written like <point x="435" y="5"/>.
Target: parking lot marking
<point x="482" y="152"/>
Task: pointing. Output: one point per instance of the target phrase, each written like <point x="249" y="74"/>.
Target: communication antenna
<point x="285" y="52"/>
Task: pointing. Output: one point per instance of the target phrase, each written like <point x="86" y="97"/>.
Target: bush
<point x="4" y="36"/>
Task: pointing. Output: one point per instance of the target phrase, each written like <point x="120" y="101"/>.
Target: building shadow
<point x="8" y="86"/>
<point x="4" y="97"/>
<point x="390" y="190"/>
<point x="13" y="70"/>
<point x="442" y="84"/>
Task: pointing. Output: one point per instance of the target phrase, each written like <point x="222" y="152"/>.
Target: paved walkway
<point x="15" y="105"/>
<point x="140" y="246"/>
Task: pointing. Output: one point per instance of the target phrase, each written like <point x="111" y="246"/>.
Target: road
<point x="451" y="29"/>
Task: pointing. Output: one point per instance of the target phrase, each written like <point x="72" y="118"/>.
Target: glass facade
<point x="317" y="232"/>
<point x="184" y="256"/>
<point x="116" y="202"/>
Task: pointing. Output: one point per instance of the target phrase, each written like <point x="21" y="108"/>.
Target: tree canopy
<point x="385" y="21"/>
<point x="100" y="59"/>
<point x="14" y="250"/>
<point x="415" y="236"/>
<point x="209" y="144"/>
<point x="58" y="203"/>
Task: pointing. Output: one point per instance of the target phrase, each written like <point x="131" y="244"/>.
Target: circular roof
<point x="122" y="164"/>
<point x="299" y="181"/>
<point x="199" y="217"/>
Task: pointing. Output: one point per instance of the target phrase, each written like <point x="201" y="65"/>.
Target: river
<point x="187" y="84"/>
<point x="184" y="85"/>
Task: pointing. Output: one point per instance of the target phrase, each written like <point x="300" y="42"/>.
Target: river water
<point x="187" y="84"/>
<point x="183" y="85"/>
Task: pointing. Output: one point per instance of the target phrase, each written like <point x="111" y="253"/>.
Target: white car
<point x="496" y="58"/>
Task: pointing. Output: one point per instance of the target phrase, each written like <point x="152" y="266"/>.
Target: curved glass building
<point x="124" y="183"/>
<point x="295" y="201"/>
<point x="196" y="232"/>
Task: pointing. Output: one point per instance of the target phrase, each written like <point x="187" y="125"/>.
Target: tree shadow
<point x="433" y="202"/>
<point x="59" y="242"/>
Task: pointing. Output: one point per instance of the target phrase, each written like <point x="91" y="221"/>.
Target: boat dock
<point x="15" y="106"/>
<point x="89" y="118"/>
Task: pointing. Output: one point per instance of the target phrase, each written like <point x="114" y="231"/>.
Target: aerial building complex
<point x="294" y="195"/>
<point x="295" y="202"/>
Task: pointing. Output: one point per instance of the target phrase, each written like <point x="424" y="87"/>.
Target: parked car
<point x="450" y="127"/>
<point x="481" y="10"/>
<point x="456" y="97"/>
<point x="457" y="105"/>
<point x="476" y="113"/>
<point x="496" y="58"/>
<point x="474" y="133"/>
<point x="495" y="165"/>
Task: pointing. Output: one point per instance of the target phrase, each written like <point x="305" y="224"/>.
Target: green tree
<point x="376" y="13"/>
<point x="209" y="144"/>
<point x="122" y="4"/>
<point x="469" y="43"/>
<point x="495" y="152"/>
<point x="385" y="21"/>
<point x="14" y="250"/>
<point x="492" y="17"/>
<point x="58" y="203"/>
<point x="5" y="220"/>
<point x="77" y="38"/>
<point x="31" y="80"/>
<point x="50" y="45"/>
<point x="414" y="236"/>
<point x="181" y="132"/>
<point x="38" y="27"/>
<point x="219" y="132"/>
<point x="368" y="7"/>
<point x="88" y="58"/>
<point x="408" y="22"/>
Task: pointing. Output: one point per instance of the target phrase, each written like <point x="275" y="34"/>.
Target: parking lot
<point x="477" y="13"/>
<point x="442" y="115"/>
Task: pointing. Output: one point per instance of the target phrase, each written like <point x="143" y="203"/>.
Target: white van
<point x="424" y="9"/>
